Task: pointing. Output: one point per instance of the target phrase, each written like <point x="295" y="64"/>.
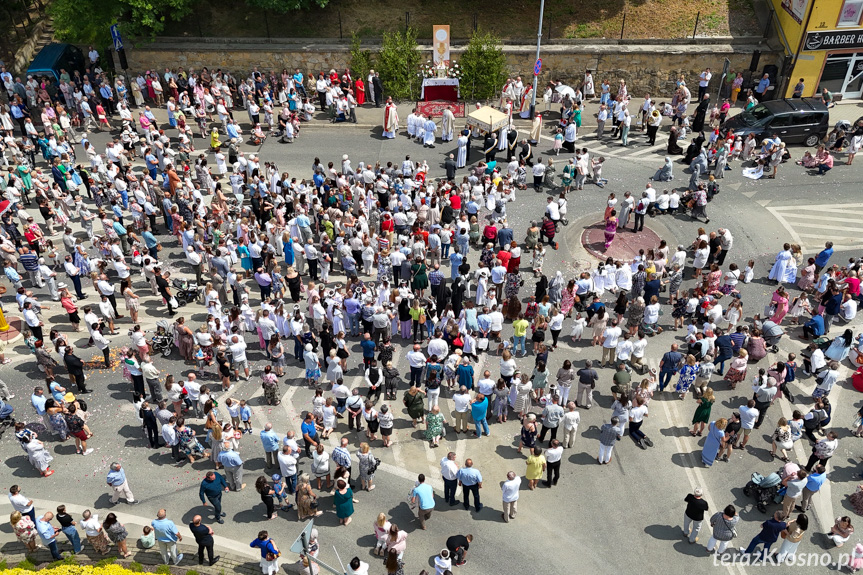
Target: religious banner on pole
<point x="440" y="45"/>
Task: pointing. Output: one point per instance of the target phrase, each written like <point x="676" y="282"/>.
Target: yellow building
<point x="824" y="45"/>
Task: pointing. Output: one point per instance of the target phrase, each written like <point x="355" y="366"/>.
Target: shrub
<point x="398" y="63"/>
<point x="361" y="60"/>
<point x="483" y="66"/>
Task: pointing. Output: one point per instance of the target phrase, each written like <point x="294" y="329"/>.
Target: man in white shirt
<point x="510" y="489"/>
<point x="638" y="347"/>
<point x="461" y="399"/>
<point x="449" y="472"/>
<point x="553" y="456"/>
<point x="609" y="343"/>
<point x="571" y="419"/>
<point x="268" y="328"/>
<point x="538" y="174"/>
<point x="50" y="277"/>
<point x="194" y="389"/>
<point x="288" y="467"/>
<point x="552" y="208"/>
<point x="848" y="310"/>
<point x="703" y="82"/>
<point x="624" y="348"/>
<point x="417" y="362"/>
<point x="496" y="318"/>
<point x="23" y="504"/>
<point x="238" y="356"/>
<point x="437" y="346"/>
<point x="679" y="258"/>
<point x="748" y="416"/>
<point x="194" y="260"/>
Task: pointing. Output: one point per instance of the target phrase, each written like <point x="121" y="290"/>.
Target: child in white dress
<point x="578" y="325"/>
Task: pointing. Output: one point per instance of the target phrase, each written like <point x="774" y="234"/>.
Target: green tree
<point x="483" y="67"/>
<point x="361" y="60"/>
<point x="87" y="21"/>
<point x="398" y="63"/>
<point x="284" y="6"/>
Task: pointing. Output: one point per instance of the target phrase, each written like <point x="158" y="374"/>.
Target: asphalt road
<point x="628" y="512"/>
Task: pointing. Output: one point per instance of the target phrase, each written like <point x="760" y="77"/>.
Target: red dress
<point x="361" y="92"/>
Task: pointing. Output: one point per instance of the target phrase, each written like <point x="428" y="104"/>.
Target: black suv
<point x="795" y="120"/>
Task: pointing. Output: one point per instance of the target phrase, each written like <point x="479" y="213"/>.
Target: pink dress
<point x="567" y="301"/>
<point x="781" y="308"/>
<point x="610" y="230"/>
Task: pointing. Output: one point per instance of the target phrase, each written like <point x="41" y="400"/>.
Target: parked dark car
<point x="55" y="57"/>
<point x="795" y="120"/>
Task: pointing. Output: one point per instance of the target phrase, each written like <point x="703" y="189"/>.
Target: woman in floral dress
<point x="807" y="276"/>
<point x="385" y="267"/>
<point x="434" y="426"/>
<point x="188" y="442"/>
<point x="25" y="530"/>
<point x="567" y="301"/>
<point x="687" y="376"/>
<point x="270" y="383"/>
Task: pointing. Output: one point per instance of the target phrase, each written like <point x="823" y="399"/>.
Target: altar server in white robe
<point x="412" y="123"/>
<point x="430" y="129"/>
<point x="461" y="161"/>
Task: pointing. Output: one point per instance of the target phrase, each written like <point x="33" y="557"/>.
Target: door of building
<point x="843" y="74"/>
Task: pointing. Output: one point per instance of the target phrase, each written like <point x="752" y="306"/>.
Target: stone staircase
<point x="42" y="35"/>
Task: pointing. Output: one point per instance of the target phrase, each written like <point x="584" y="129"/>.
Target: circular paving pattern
<point x="625" y="246"/>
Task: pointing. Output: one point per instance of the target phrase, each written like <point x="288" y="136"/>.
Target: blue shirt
<point x="150" y="240"/>
<point x="46" y="531"/>
<point x="245" y="414"/>
<point x="465" y="376"/>
<point x="671" y="360"/>
<point x="116" y="478"/>
<point x="164" y="529"/>
<point x="230" y="458"/>
<point x="232" y="131"/>
<point x="368" y="346"/>
<point x="823" y="257"/>
<point x="469" y="476"/>
<point x="479" y="409"/>
<point x="38" y="402"/>
<point x="816" y="324"/>
<point x="270" y="441"/>
<point x="352" y="306"/>
<point x="763" y="85"/>
<point x="815" y="481"/>
<point x="119" y="229"/>
<point x="455" y="260"/>
<point x="425" y="494"/>
<point x="308" y="429"/>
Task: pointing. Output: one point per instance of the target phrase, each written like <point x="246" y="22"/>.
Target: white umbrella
<point x="565" y="90"/>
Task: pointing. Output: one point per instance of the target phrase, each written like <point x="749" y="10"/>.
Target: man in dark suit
<point x="449" y="166"/>
<point x="379" y="90"/>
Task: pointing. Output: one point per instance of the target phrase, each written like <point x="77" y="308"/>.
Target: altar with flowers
<point x="440" y="82"/>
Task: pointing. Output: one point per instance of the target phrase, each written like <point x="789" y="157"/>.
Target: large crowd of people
<point x="341" y="271"/>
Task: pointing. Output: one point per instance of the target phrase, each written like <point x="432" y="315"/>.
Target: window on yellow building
<point x="852" y="10"/>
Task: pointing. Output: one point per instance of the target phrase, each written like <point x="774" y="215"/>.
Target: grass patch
<point x="136" y="567"/>
<point x="106" y="561"/>
<point x="26" y="565"/>
<point x="163" y="569"/>
<point x="508" y="20"/>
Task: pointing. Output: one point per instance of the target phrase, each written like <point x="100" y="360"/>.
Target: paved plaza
<point x="627" y="514"/>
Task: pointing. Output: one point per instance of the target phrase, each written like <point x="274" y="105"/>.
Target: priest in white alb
<point x="447" y="124"/>
<point x="391" y="119"/>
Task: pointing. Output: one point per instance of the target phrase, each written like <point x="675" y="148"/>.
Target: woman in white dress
<point x="780" y="267"/>
<point x="39" y="457"/>
<point x="793" y="264"/>
<point x="587" y="88"/>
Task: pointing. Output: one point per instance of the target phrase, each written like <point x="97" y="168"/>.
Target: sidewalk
<point x="13" y="553"/>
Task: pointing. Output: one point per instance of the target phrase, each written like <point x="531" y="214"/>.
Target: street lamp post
<point x="536" y="76"/>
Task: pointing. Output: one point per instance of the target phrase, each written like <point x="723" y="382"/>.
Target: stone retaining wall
<point x="645" y="66"/>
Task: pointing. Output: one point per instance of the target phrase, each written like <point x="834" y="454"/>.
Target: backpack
<point x="790" y="369"/>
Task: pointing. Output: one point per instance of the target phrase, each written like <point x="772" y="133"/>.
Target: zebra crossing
<point x="816" y="224"/>
<point x="608" y="147"/>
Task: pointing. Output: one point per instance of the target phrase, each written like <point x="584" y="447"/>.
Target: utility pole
<point x="538" y="44"/>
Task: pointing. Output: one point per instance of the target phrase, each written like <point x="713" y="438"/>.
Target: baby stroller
<point x="772" y="334"/>
<point x="6" y="419"/>
<point x="163" y="341"/>
<point x="764" y="488"/>
<point x="186" y="291"/>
